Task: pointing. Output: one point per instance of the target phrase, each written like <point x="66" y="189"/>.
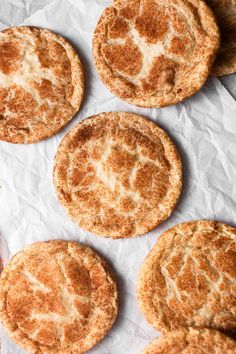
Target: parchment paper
<point x="203" y="128"/>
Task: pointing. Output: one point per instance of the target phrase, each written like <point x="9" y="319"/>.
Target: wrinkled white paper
<point x="203" y="128"/>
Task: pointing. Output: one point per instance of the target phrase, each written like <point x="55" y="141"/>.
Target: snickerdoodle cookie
<point x="225" y="12"/>
<point x="57" y="297"/>
<point x="154" y="53"/>
<point x="192" y="341"/>
<point x="117" y="174"/>
<point x="41" y="84"/>
<point x="189" y="278"/>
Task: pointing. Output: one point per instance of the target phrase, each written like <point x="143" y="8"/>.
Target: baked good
<point x="189" y="278"/>
<point x="57" y="297"/>
<point x="192" y="341"/>
<point x="117" y="174"/>
<point x="154" y="53"/>
<point x="41" y="84"/>
<point x="225" y="12"/>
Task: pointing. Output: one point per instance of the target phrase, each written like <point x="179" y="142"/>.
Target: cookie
<point x="117" y="174"/>
<point x="57" y="297"/>
<point x="154" y="53"/>
<point x="41" y="84"/>
<point x="189" y="278"/>
<point x="192" y="341"/>
<point x="225" y="12"/>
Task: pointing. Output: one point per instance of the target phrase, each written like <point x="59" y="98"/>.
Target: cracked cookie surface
<point x="225" y="12"/>
<point x="57" y="297"/>
<point x="192" y="341"/>
<point x="189" y="278"/>
<point x="117" y="174"/>
<point x="154" y="53"/>
<point x="41" y="84"/>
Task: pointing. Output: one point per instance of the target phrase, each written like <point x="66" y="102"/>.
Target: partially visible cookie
<point x="192" y="341"/>
<point x="57" y="297"/>
<point x="1" y="268"/>
<point x="189" y="278"/>
<point x="225" y="11"/>
<point x="41" y="84"/>
<point x="117" y="174"/>
<point x="154" y="53"/>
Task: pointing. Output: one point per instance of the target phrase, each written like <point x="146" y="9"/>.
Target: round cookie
<point x="189" y="278"/>
<point x="117" y="174"/>
<point x="225" y="12"/>
<point x="154" y="53"/>
<point x="57" y="297"/>
<point x="41" y="84"/>
<point x="192" y="341"/>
